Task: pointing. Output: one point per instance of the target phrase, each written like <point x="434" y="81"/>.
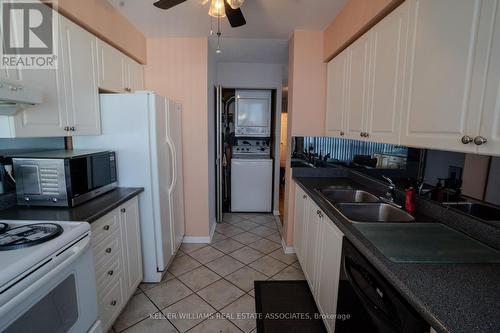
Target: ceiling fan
<point x="218" y="9"/>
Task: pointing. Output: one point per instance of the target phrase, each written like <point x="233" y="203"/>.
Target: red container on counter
<point x="411" y="200"/>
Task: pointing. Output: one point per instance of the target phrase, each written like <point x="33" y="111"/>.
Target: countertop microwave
<point x="64" y="178"/>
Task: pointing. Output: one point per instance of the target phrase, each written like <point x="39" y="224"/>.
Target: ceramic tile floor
<point x="215" y="278"/>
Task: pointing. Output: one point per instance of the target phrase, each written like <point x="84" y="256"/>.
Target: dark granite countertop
<point x="89" y="211"/>
<point x="450" y="297"/>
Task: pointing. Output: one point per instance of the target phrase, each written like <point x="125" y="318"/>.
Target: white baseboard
<point x="202" y="239"/>
<point x="287" y="249"/>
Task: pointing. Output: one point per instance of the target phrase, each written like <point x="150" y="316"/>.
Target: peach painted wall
<point x="104" y="21"/>
<point x="354" y="19"/>
<point x="306" y="104"/>
<point x="178" y="68"/>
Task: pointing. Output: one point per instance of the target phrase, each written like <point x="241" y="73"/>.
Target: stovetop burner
<point x="3" y="227"/>
<point x="28" y="235"/>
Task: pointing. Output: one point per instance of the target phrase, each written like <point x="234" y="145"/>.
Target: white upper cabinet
<point x="117" y="72"/>
<point x="111" y="68"/>
<point x="490" y="121"/>
<point x="357" y="87"/>
<point x="336" y="95"/>
<point x="385" y="93"/>
<point x="134" y="74"/>
<point x="80" y="67"/>
<point x="443" y="74"/>
<point x="48" y="118"/>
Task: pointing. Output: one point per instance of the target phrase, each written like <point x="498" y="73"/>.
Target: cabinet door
<point x="311" y="252"/>
<point x="330" y="255"/>
<point x="131" y="236"/>
<point x="80" y="67"/>
<point x="336" y="95"/>
<point x="135" y="75"/>
<point x="440" y="100"/>
<point x="385" y="94"/>
<point x="357" y="83"/>
<point x="298" y="222"/>
<point x="50" y="117"/>
<point x="490" y="122"/>
<point x="111" y="64"/>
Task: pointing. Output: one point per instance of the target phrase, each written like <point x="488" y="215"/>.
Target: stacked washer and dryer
<point x="251" y="162"/>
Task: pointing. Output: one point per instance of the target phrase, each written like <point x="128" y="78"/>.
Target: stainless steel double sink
<point x="359" y="206"/>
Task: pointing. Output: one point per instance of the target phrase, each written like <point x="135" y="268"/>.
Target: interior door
<point x="219" y="150"/>
<point x="165" y="178"/>
<point x="174" y="124"/>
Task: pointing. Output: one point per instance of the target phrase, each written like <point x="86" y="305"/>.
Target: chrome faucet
<point x="389" y="195"/>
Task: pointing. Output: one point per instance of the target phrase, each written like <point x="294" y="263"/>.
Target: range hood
<point x="15" y="97"/>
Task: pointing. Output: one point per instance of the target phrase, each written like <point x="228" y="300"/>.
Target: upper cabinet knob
<point x="342" y="133"/>
<point x="479" y="140"/>
<point x="467" y="139"/>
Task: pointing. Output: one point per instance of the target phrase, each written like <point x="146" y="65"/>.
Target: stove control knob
<point x="54" y="200"/>
<point x="26" y="199"/>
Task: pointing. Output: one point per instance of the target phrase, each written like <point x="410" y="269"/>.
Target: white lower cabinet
<point x="118" y="259"/>
<point x="318" y="243"/>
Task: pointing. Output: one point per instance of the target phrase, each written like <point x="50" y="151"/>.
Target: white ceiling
<point x="273" y="19"/>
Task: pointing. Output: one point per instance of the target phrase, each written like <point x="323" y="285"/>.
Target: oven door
<point x="58" y="297"/>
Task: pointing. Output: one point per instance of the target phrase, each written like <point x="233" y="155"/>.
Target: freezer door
<point x="163" y="177"/>
<point x="176" y="190"/>
<point x="251" y="185"/>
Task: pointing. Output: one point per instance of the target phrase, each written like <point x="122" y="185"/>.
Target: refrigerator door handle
<point x="173" y="181"/>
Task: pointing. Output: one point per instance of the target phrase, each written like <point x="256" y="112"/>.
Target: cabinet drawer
<point x="104" y="227"/>
<point x="105" y="250"/>
<point x="109" y="272"/>
<point x="111" y="303"/>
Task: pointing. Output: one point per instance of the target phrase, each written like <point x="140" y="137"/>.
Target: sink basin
<point x="481" y="211"/>
<point x="373" y="212"/>
<point x="346" y="195"/>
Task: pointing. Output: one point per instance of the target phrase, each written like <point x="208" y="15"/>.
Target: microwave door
<point x="100" y="171"/>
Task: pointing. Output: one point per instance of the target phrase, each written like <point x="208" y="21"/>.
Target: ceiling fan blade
<point x="235" y="16"/>
<point x="167" y="4"/>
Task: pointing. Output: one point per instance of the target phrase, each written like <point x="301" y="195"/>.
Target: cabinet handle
<point x="342" y="133"/>
<point x="367" y="134"/>
<point x="304" y="196"/>
<point x="66" y="128"/>
<point x="123" y="210"/>
<point x="106" y="227"/>
<point x="108" y="250"/>
<point x="361" y="134"/>
<point x="479" y="140"/>
<point x="110" y="273"/>
<point x="128" y="89"/>
<point x="113" y="303"/>
<point x="72" y="128"/>
<point x="467" y="139"/>
<point x="318" y="212"/>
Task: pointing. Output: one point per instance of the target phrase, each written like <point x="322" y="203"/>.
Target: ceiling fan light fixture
<point x="235" y="4"/>
<point x="217" y="8"/>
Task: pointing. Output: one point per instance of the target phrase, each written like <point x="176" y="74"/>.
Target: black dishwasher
<point x="374" y="304"/>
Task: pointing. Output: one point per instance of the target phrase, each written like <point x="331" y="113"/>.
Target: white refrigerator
<point x="144" y="130"/>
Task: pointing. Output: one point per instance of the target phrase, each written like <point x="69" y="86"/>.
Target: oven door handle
<point x="60" y="262"/>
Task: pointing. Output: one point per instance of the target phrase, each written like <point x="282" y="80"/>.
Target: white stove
<point x="47" y="279"/>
